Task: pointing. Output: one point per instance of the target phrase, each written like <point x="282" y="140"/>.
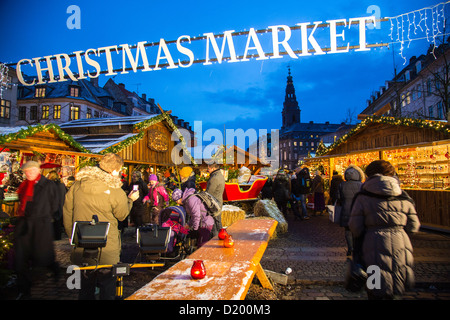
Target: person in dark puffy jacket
<point x="335" y="182"/>
<point x="382" y="215"/>
<point x="281" y="190"/>
<point x="347" y="189"/>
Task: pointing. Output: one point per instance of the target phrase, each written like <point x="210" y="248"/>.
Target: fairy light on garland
<point x="408" y="122"/>
<point x="428" y="25"/>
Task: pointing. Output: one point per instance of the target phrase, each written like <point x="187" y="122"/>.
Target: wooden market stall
<point x="139" y="140"/>
<point x="47" y="144"/>
<point x="418" y="149"/>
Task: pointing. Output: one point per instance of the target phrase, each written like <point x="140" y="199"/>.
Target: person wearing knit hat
<point x="153" y="177"/>
<point x="177" y="194"/>
<point x="187" y="177"/>
<point x="157" y="197"/>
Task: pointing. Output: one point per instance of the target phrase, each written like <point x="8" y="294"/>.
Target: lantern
<point x="222" y="233"/>
<point x="198" y="270"/>
<point x="228" y="242"/>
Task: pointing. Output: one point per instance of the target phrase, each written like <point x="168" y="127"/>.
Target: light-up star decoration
<point x="427" y="23"/>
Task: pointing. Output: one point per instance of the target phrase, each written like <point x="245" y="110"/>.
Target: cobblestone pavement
<point x="315" y="251"/>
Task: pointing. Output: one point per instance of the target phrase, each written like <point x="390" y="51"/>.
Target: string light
<point x="429" y="21"/>
<point x="408" y="122"/>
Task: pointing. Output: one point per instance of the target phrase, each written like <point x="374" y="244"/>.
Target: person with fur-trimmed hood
<point x="382" y="216"/>
<point x="98" y="191"/>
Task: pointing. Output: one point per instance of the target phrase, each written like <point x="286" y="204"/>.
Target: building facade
<point x="420" y="90"/>
<point x="298" y="140"/>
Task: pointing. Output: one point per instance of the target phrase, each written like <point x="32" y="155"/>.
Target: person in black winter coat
<point x="300" y="187"/>
<point x="33" y="234"/>
<point x="354" y="176"/>
<point x="266" y="191"/>
<point x="139" y="209"/>
<point x="58" y="223"/>
<point x="281" y="191"/>
<point x="336" y="180"/>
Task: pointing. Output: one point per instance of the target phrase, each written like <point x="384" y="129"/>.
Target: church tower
<point x="291" y="110"/>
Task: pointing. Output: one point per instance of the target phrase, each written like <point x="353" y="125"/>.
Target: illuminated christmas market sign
<point x="302" y="40"/>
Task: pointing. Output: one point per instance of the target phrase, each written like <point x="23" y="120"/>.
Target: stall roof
<point x="104" y="122"/>
<point x="20" y="137"/>
<point x="98" y="143"/>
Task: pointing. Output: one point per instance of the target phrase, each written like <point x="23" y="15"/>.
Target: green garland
<point x="31" y="130"/>
<point x="408" y="122"/>
<point x="142" y="126"/>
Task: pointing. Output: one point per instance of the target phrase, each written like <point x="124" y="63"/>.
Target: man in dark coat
<point x="139" y="209"/>
<point x="300" y="187"/>
<point x="336" y="180"/>
<point x="33" y="243"/>
<point x="281" y="190"/>
<point x="354" y="177"/>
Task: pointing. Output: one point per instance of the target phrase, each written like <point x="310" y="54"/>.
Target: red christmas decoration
<point x="198" y="270"/>
<point x="222" y="233"/>
<point x="228" y="242"/>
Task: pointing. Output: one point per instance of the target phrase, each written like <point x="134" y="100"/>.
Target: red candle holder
<point x="198" y="270"/>
<point x="222" y="233"/>
<point x="228" y="242"/>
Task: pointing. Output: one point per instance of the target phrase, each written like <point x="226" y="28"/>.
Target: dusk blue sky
<point x="235" y="95"/>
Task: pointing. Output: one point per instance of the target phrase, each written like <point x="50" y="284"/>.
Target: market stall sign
<point x="157" y="141"/>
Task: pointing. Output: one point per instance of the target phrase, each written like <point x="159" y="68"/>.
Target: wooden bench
<point x="229" y="271"/>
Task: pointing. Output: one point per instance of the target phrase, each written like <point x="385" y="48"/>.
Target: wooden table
<point x="229" y="271"/>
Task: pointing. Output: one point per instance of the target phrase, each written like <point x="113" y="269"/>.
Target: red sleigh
<point x="242" y="192"/>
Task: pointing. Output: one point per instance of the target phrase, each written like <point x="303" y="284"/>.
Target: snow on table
<point x="229" y="271"/>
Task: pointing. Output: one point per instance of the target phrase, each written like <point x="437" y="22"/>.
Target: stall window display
<point x="422" y="167"/>
<point x="361" y="160"/>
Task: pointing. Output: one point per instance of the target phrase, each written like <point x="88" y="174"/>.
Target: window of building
<point x="403" y="100"/>
<point x="22" y="113"/>
<point x="33" y="113"/>
<point x="56" y="112"/>
<point x="408" y="97"/>
<point x="295" y="143"/>
<point x="74" y="91"/>
<point x="40" y="92"/>
<point x="5" y="109"/>
<point x="437" y="84"/>
<point x="88" y="113"/>
<point x="419" y="91"/>
<point x="430" y="111"/>
<point x="429" y="87"/>
<point x="45" y="112"/>
<point x="418" y="66"/>
<point x="74" y="113"/>
<point x="440" y="111"/>
<point x="407" y="75"/>
<point x="96" y="114"/>
<point x="413" y="94"/>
